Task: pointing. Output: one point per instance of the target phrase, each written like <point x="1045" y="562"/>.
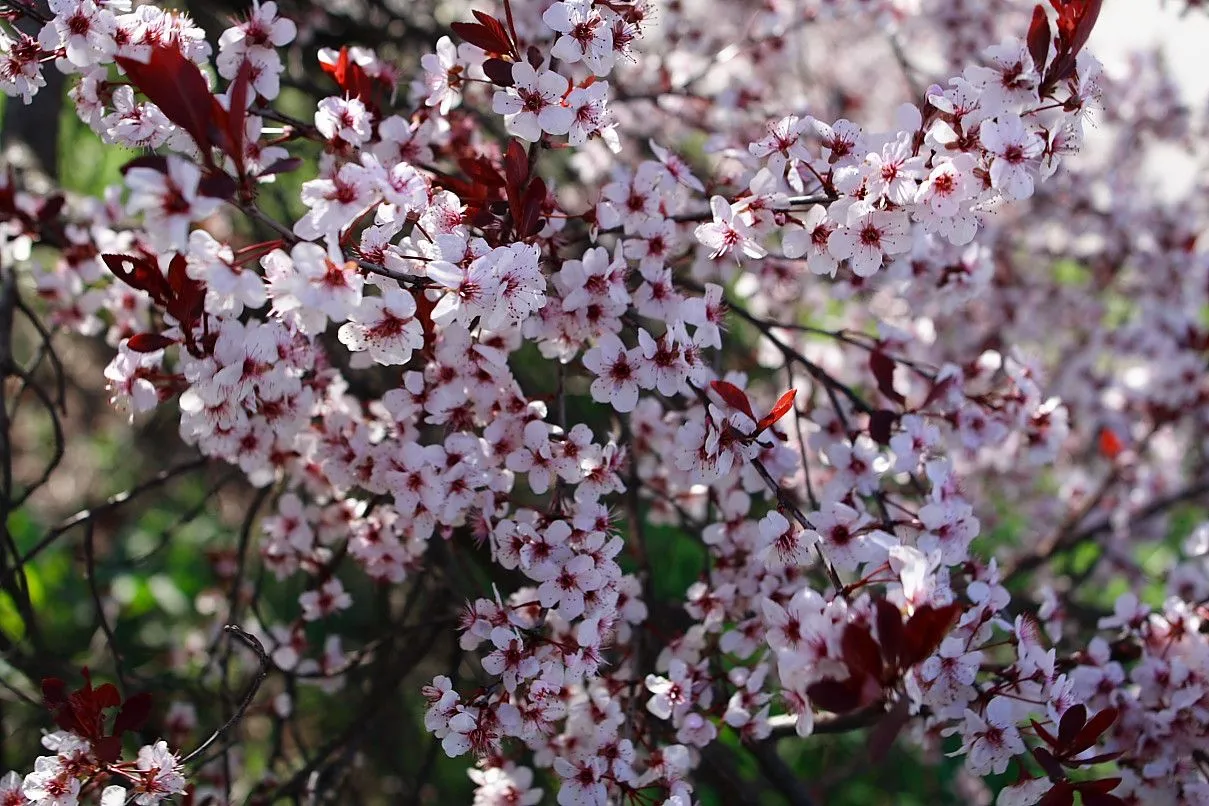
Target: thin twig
<point x="90" y="570"/>
<point x="262" y="672"/>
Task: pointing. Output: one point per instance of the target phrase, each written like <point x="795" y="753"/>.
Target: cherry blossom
<point x="585" y="35"/>
<point x="533" y="104"/>
<point x="728" y="231"/>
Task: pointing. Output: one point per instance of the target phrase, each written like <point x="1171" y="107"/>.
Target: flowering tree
<point x="666" y="384"/>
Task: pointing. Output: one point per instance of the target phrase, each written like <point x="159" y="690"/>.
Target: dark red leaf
<point x="516" y="165"/>
<point x="882" y="366"/>
<point x="889" y="631"/>
<point x="1045" y="735"/>
<point x="1076" y="19"/>
<point x="534" y="57"/>
<point x="106" y="696"/>
<point x="1048" y="763"/>
<point x="1061" y="795"/>
<point x="499" y="71"/>
<point x="254" y="251"/>
<point x="339" y="70"/>
<point x="189" y="295"/>
<point x="1071" y="723"/>
<point x="1039" y="38"/>
<point x="936" y="391"/>
<point x="237" y="115"/>
<point x="1102" y="786"/>
<point x="838" y="697"/>
<point x="54" y="697"/>
<point x="1110" y="444"/>
<point x="141" y="274"/>
<point x="152" y="161"/>
<point x="178" y="88"/>
<point x="350" y="76"/>
<point x="134" y="713"/>
<point x="482" y="171"/>
<point x="217" y="186"/>
<point x="1097" y="799"/>
<point x="1101" y="758"/>
<point x="1091" y="733"/>
<point x="735" y="397"/>
<point x="54" y="691"/>
<point x="424" y="308"/>
<point x="784" y="404"/>
<point x="881" y="425"/>
<point x="882" y="737"/>
<point x="496" y="28"/>
<point x="516" y="177"/>
<point x="148" y="342"/>
<point x="861" y="653"/>
<point x="282" y="166"/>
<point x="51" y="208"/>
<point x="531" y="221"/>
<point x="925" y="630"/>
<point x="107" y="748"/>
<point x="490" y="39"/>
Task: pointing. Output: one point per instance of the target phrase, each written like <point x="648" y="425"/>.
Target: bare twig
<point x="262" y="672"/>
<point x="90" y="570"/>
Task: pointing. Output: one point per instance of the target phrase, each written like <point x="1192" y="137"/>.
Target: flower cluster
<point x="817" y="351"/>
<point x="87" y="760"/>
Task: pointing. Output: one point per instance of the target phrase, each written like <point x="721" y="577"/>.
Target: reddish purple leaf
<point x="1045" y="735"/>
<point x="881" y="426"/>
<point x="1046" y="759"/>
<point x="861" y="653"/>
<point x="882" y="737"/>
<point x="282" y="166"/>
<point x="152" y="161"/>
<point x="531" y="220"/>
<point x="148" y="342"/>
<point x="883" y="371"/>
<point x="1102" y="786"/>
<point x="141" y="274"/>
<point x="1061" y="795"/>
<point x="534" y="56"/>
<point x="1092" y="731"/>
<point x="134" y="713"/>
<point x="1071" y="723"/>
<point x="1039" y="38"/>
<point x="516" y="165"/>
<point x="492" y="38"/>
<point x="1100" y="758"/>
<point x="1098" y="799"/>
<point x="217" y="186"/>
<point x="178" y="88"/>
<point x="351" y="77"/>
<point x="735" y="397"/>
<point x="780" y="408"/>
<point x="889" y="631"/>
<point x="925" y="630"/>
<point x="838" y="697"/>
<point x="237" y="116"/>
<point x="497" y="29"/>
<point x="499" y="71"/>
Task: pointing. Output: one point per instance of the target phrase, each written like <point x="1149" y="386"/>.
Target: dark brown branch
<point x="786" y="725"/>
<point x="778" y="773"/>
